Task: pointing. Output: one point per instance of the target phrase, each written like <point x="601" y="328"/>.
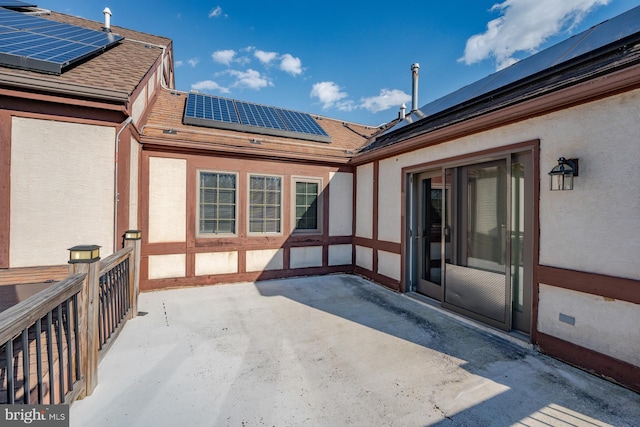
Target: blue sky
<point x="349" y="59"/>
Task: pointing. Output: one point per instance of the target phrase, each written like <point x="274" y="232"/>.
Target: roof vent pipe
<point x="414" y="98"/>
<point x="403" y="111"/>
<point x="107" y="19"/>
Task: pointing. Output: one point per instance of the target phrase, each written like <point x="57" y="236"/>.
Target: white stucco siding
<point x="139" y="105"/>
<point x="133" y="184"/>
<point x="389" y="216"/>
<point x="340" y="203"/>
<point x="601" y="324"/>
<point x="265" y="259"/>
<point x="305" y="257"/>
<point x="216" y="263"/>
<point x="167" y="266"/>
<point x="167" y="200"/>
<point x="364" y="201"/>
<point x="594" y="227"/>
<point x="389" y="264"/>
<point x="340" y="254"/>
<point x="364" y="257"/>
<point x="591" y="228"/>
<point x="62" y="190"/>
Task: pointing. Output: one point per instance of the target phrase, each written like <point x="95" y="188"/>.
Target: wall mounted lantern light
<point x="562" y="174"/>
<point x="84" y="254"/>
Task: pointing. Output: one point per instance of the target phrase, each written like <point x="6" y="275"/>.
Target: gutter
<point x="47" y="85"/>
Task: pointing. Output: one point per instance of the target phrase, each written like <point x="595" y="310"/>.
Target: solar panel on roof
<point x="39" y="44"/>
<point x="615" y="30"/>
<point x="223" y="113"/>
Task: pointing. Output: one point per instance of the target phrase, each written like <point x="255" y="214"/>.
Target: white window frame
<point x="319" y="204"/>
<point x="200" y="234"/>
<point x="248" y="208"/>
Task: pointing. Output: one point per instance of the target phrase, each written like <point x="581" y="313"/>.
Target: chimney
<point x="414" y="98"/>
<point x="403" y="111"/>
<point x="107" y="20"/>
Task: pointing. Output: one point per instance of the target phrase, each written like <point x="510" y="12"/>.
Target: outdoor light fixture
<point x="84" y="254"/>
<point x="562" y="174"/>
<point x="132" y="235"/>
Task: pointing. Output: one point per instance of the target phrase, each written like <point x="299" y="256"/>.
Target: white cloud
<point x="523" y="27"/>
<point x="250" y="79"/>
<point x="387" y="99"/>
<point x="179" y="64"/>
<point x="265" y="57"/>
<point x="215" y="12"/>
<point x="193" y="62"/>
<point x="209" y="85"/>
<point x="291" y="64"/>
<point x="329" y="94"/>
<point x="224" y="56"/>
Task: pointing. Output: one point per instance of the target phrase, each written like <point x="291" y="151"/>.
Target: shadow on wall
<point x="534" y="389"/>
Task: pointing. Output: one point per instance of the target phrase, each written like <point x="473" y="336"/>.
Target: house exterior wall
<point x="62" y="190"/>
<point x="169" y="189"/>
<point x="586" y="262"/>
<point x="134" y="153"/>
<point x="364" y="201"/>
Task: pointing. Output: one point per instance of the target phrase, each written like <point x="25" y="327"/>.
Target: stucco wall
<point x="389" y="264"/>
<point x="364" y="201"/>
<point x="602" y="324"/>
<point x="167" y="200"/>
<point x="340" y="254"/>
<point x="133" y="184"/>
<point x="62" y="180"/>
<point x="310" y="256"/>
<point x="340" y="203"/>
<point x="364" y="257"/>
<point x="265" y="259"/>
<point x="167" y="266"/>
<point x="592" y="228"/>
<point x="216" y="263"/>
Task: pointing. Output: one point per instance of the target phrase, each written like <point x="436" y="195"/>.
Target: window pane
<point x="306" y="205"/>
<point x="264" y="204"/>
<point x="217" y="202"/>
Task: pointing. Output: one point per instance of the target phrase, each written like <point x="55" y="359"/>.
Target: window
<point x="217" y="203"/>
<point x="265" y="207"/>
<point x="307" y="205"/>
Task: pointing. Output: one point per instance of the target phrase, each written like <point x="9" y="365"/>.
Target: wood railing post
<point x="132" y="239"/>
<point x="86" y="259"/>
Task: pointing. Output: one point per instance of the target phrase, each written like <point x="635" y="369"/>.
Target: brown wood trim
<point x="24" y="275"/>
<point x="596" y="363"/>
<point x="375" y="211"/>
<point x="123" y="162"/>
<point x="164" y="248"/>
<point x="591" y="283"/>
<point x="380" y="245"/>
<point x="5" y="188"/>
<point x="581" y="93"/>
<point x="378" y="278"/>
<point x="151" y="285"/>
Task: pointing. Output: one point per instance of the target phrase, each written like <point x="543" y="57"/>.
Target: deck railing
<point x="51" y="343"/>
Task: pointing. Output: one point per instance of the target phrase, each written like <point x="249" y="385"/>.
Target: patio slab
<point x="331" y="351"/>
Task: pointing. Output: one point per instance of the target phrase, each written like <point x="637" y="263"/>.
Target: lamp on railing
<point x="132" y="235"/>
<point x="562" y="174"/>
<point x="84" y="254"/>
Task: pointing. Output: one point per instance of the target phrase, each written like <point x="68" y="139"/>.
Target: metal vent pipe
<point x="414" y="98"/>
<point x="107" y="19"/>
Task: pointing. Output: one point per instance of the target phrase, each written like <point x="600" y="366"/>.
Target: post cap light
<point x="562" y="174"/>
<point x="84" y="254"/>
<point x="132" y="235"/>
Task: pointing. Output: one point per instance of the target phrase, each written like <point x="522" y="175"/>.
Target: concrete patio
<point x="331" y="351"/>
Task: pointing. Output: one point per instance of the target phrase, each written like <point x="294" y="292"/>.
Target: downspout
<point x="115" y="188"/>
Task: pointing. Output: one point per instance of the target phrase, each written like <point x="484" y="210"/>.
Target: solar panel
<point x="612" y="31"/>
<point x="223" y="113"/>
<point x="39" y="44"/>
